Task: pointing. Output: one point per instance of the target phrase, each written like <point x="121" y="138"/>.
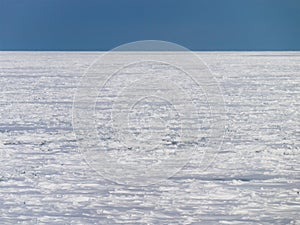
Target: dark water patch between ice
<point x="253" y="177"/>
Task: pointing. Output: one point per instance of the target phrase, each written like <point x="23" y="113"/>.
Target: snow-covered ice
<point x="254" y="179"/>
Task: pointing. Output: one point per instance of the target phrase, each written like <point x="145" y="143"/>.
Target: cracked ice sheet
<point x="254" y="179"/>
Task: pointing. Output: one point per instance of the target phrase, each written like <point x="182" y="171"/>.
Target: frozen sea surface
<point x="254" y="179"/>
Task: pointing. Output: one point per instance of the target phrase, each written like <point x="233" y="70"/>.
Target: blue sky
<point x="105" y="24"/>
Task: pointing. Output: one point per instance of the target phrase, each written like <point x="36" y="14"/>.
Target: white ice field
<point x="254" y="178"/>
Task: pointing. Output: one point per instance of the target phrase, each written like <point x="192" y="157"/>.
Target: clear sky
<point x="105" y="24"/>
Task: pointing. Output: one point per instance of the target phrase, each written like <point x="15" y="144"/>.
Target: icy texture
<point x="254" y="179"/>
